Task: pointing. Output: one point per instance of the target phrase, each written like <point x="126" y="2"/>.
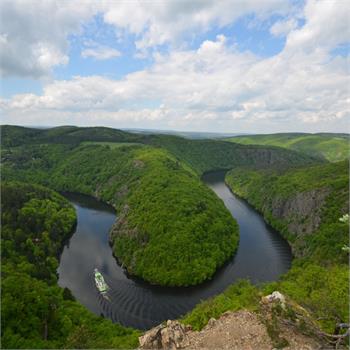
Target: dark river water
<point x="262" y="256"/>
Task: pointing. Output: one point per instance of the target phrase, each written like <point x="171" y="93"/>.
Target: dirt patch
<point x="239" y="330"/>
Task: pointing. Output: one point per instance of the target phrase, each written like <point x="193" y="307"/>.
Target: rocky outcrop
<point x="276" y="325"/>
<point x="275" y="297"/>
<point x="302" y="212"/>
<point x="169" y="336"/>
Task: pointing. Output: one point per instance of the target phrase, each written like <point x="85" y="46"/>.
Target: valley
<point x="180" y="240"/>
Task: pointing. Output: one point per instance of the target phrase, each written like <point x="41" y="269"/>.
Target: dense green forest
<point x="333" y="147"/>
<point x="35" y="312"/>
<point x="208" y="155"/>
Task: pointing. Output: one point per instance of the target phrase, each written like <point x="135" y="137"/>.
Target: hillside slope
<point x="303" y="204"/>
<point x="208" y="155"/>
<point x="17" y="135"/>
<point x="333" y="147"/>
<point x="307" y="206"/>
<point x="35" y="312"/>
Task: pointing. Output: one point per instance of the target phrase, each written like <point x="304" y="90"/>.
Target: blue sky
<point x="238" y="66"/>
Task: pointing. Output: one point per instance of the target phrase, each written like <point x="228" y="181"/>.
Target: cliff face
<point x="302" y="212"/>
<point x="304" y="204"/>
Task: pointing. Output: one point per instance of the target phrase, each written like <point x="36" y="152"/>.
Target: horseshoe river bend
<point x="263" y="255"/>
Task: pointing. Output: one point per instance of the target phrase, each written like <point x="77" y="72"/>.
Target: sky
<point x="238" y="66"/>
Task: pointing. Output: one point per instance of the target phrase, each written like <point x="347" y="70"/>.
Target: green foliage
<point x="111" y="144"/>
<point x="333" y="147"/>
<point x="175" y="231"/>
<point x="17" y="135"/>
<point x="35" y="222"/>
<point x="207" y="155"/>
<point x="323" y="290"/>
<point x="240" y="295"/>
<point x="35" y="312"/>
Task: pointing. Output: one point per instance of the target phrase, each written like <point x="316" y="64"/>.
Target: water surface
<point x="262" y="256"/>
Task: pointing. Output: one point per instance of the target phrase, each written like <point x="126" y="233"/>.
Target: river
<point x="262" y="256"/>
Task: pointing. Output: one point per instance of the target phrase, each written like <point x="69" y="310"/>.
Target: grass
<point x="333" y="147"/>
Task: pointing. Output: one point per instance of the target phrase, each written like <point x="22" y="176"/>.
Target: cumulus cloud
<point x="33" y="35"/>
<point x="159" y="22"/>
<point x="282" y="28"/>
<point x="213" y="87"/>
<point x="100" y="53"/>
<point x="326" y="26"/>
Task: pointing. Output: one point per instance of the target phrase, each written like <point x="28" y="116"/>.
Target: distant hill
<point x="17" y="135"/>
<point x="333" y="147"/>
<point x="210" y="154"/>
<point x="186" y="134"/>
<point x="201" y="154"/>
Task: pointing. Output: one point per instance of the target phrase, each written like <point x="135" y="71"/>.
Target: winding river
<point x="262" y="256"/>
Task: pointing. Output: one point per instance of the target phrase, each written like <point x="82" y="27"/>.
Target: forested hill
<point x="333" y="147"/>
<point x="208" y="155"/>
<point x="201" y="155"/>
<point x="303" y="204"/>
<point x="18" y="135"/>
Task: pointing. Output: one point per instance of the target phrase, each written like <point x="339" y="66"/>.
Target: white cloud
<point x="159" y="22"/>
<point x="205" y="88"/>
<point x="282" y="28"/>
<point x="326" y="26"/>
<point x="214" y="87"/>
<point x="34" y="34"/>
<point x="100" y="53"/>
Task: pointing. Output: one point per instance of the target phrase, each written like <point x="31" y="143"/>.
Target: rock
<point x="275" y="297"/>
<point x="151" y="339"/>
<point x="211" y="323"/>
<point x="302" y="211"/>
<point x="171" y="336"/>
<point x="188" y="328"/>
